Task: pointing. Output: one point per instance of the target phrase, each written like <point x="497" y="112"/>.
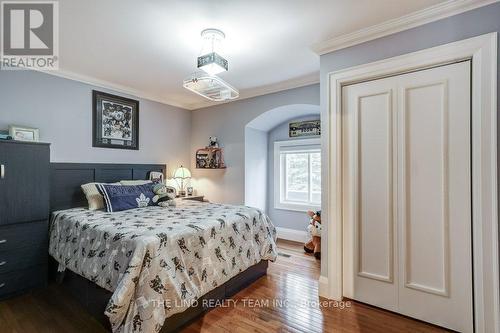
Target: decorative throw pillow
<point x="135" y="182"/>
<point x="123" y="197"/>
<point x="94" y="197"/>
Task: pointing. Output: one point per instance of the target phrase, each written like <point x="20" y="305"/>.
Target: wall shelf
<point x="210" y="158"/>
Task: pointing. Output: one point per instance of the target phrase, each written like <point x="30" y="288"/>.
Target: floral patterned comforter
<point x="157" y="260"/>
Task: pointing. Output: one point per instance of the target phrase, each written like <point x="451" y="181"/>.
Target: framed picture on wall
<point x="115" y="121"/>
<point x="305" y="128"/>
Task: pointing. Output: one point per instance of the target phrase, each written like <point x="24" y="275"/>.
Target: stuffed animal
<point x="214" y="142"/>
<point x="163" y="195"/>
<point x="314" y="228"/>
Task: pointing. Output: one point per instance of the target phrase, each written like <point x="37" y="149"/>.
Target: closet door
<point x="370" y="147"/>
<point x="434" y="196"/>
<point x="407" y="190"/>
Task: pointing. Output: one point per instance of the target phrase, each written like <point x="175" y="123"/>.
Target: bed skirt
<point x="94" y="298"/>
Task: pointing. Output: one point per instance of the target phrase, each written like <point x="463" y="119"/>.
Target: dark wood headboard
<point x="66" y="178"/>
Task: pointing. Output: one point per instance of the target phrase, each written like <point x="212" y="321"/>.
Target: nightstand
<point x="194" y="198"/>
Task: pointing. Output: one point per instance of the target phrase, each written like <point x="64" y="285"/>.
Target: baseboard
<point x="323" y="287"/>
<point x="292" y="234"/>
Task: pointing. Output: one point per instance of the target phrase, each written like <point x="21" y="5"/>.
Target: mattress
<point x="158" y="261"/>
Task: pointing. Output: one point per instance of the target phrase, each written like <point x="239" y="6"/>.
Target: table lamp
<point x="182" y="173"/>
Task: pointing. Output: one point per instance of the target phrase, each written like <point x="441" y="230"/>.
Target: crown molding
<point x="298" y="82"/>
<point x="302" y="81"/>
<point x="415" y="19"/>
<point x="111" y="86"/>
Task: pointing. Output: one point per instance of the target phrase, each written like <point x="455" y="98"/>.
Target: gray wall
<point x="255" y="168"/>
<point x="473" y="23"/>
<point x="281" y="217"/>
<point x="62" y="110"/>
<point x="227" y="122"/>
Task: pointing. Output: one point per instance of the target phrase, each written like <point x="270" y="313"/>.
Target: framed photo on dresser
<point x="115" y="121"/>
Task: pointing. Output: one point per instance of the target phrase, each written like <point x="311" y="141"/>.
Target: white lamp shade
<point x="182" y="173"/>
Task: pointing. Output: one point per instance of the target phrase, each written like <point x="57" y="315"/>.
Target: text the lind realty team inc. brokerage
<point x="254" y="303"/>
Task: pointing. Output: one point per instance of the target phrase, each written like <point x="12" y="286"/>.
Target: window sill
<point x="296" y="207"/>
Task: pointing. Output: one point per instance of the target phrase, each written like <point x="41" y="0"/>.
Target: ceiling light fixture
<point x="210" y="60"/>
<point x="205" y="83"/>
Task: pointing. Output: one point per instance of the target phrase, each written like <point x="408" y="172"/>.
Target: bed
<point x="152" y="269"/>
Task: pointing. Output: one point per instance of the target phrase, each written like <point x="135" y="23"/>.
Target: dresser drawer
<point x="15" y="282"/>
<point x="21" y="259"/>
<point x="23" y="245"/>
<point x="16" y="236"/>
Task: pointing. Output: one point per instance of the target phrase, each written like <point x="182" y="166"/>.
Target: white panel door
<point x="435" y="196"/>
<point x="408" y="223"/>
<point x="370" y="143"/>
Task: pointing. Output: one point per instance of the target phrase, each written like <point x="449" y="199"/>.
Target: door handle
<point x="2" y="171"/>
<point x="2" y="285"/>
<point x="2" y="241"/>
<point x="3" y="263"/>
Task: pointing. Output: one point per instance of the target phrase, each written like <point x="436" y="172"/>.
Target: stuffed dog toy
<point x="314" y="228"/>
<point x="163" y="195"/>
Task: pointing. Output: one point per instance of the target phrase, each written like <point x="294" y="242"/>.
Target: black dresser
<point x="24" y="213"/>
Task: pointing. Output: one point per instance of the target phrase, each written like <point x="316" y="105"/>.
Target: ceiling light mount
<point x="213" y="33"/>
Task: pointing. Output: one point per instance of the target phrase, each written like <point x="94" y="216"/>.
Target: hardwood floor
<point x="292" y="280"/>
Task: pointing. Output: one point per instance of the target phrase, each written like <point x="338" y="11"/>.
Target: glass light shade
<point x="210" y="59"/>
<point x="212" y="41"/>
<point x="211" y="87"/>
<point x="212" y="63"/>
<point x="212" y="68"/>
<point x="182" y="173"/>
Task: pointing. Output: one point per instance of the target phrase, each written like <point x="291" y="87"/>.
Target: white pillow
<point x="135" y="182"/>
<point x="94" y="197"/>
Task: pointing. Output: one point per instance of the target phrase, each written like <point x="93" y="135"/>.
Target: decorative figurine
<point x="213" y="142"/>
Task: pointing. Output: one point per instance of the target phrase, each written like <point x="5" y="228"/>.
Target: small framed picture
<point x="304" y="128"/>
<point x="190" y="190"/>
<point x="115" y="121"/>
<point x="24" y="133"/>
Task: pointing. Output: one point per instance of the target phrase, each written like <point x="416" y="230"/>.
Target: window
<point x="297" y="174"/>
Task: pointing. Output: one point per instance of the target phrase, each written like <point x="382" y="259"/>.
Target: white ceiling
<point x="148" y="47"/>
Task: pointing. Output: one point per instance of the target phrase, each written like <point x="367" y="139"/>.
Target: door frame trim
<point x="482" y="51"/>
